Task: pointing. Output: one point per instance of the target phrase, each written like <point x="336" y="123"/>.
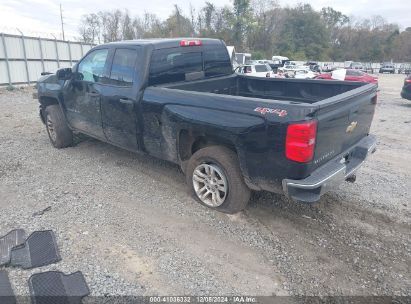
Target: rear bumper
<point x="331" y="174"/>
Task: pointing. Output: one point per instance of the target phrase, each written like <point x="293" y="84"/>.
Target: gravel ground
<point x="127" y="222"/>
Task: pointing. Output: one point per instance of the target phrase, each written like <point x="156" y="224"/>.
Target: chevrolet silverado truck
<point x="179" y="100"/>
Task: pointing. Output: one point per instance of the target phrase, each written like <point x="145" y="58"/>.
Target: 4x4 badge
<point x="351" y="127"/>
<point x="278" y="112"/>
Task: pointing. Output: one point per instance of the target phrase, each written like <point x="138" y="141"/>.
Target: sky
<point x="42" y="17"/>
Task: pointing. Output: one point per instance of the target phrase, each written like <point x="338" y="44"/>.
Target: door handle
<point x="126" y="101"/>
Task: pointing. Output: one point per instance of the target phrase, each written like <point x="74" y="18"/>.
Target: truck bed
<point x="293" y="90"/>
<point x="234" y="99"/>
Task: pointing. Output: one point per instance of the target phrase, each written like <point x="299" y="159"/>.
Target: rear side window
<point x="171" y="65"/>
<point x="216" y="61"/>
<point x="123" y="67"/>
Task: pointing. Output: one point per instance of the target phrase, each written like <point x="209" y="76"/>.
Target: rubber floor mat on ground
<point x="55" y="287"/>
<point x="39" y="249"/>
<point x="6" y="292"/>
<point x="12" y="239"/>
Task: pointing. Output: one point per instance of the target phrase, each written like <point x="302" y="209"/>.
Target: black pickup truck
<point x="179" y="100"/>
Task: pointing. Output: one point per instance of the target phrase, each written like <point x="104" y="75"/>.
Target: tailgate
<point x="343" y="120"/>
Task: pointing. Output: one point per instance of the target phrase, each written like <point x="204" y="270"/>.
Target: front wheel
<point x="59" y="132"/>
<point x="215" y="179"/>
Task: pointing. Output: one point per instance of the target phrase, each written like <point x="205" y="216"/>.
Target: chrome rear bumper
<point x="331" y="174"/>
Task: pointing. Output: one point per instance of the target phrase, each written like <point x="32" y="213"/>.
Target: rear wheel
<point x="215" y="179"/>
<point x="59" y="133"/>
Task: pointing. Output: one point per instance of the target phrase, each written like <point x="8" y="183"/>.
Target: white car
<point x="303" y="74"/>
<point x="257" y="70"/>
<point x="293" y="67"/>
<point x="279" y="59"/>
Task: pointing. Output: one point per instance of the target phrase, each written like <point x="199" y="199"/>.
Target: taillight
<point x="191" y="43"/>
<point x="300" y="141"/>
<point x="408" y="80"/>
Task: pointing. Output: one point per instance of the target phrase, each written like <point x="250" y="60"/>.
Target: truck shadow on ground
<point x="167" y="172"/>
<point x="334" y="209"/>
<point x="171" y="174"/>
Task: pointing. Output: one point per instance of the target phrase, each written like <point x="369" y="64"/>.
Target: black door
<point x="82" y="97"/>
<point x="119" y="103"/>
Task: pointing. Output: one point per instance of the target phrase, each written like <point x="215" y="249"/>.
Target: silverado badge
<point x="351" y="127"/>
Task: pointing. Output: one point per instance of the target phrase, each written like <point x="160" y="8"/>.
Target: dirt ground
<point x="128" y="223"/>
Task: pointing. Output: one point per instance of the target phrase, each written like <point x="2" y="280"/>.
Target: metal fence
<point x="23" y="58"/>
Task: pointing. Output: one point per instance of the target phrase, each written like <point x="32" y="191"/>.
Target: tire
<point x="58" y="131"/>
<point x="227" y="175"/>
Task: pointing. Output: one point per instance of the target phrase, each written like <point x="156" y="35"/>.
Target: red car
<point x="352" y="75"/>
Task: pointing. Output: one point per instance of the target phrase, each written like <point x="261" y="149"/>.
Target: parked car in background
<point x="262" y="61"/>
<point x="406" y="88"/>
<point x="304" y="74"/>
<point x="405" y="68"/>
<point x="357" y="66"/>
<point x="351" y="75"/>
<point x="313" y="66"/>
<point x="293" y="67"/>
<point x="327" y="67"/>
<point x="257" y="70"/>
<point x="274" y="65"/>
<point x="387" y="68"/>
<point x="281" y="60"/>
<point x="242" y="58"/>
<point x="347" y="64"/>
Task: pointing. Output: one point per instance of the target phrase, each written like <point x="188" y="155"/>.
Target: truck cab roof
<point x="162" y="43"/>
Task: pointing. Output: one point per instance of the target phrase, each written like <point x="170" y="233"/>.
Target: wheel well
<point x="46" y="101"/>
<point x="190" y="142"/>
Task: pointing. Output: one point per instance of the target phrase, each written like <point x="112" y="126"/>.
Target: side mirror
<point x="64" y="74"/>
<point x="77" y="76"/>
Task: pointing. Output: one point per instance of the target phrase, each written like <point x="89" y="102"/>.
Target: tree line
<point x="263" y="28"/>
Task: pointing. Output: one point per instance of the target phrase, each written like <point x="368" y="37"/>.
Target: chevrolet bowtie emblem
<point x="351" y="127"/>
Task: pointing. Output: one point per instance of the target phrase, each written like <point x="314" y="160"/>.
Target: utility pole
<point x="62" y="23"/>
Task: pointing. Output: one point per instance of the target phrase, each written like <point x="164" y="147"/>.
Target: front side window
<point x="123" y="67"/>
<point x="92" y="67"/>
